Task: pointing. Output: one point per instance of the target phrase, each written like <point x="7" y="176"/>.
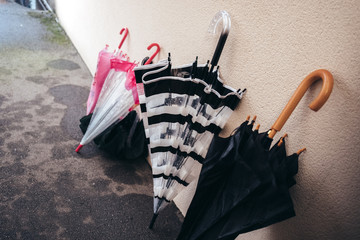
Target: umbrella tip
<point x="78" y="148"/>
<point x="282" y="139"/>
<point x="300" y="151"/>
<point x="254" y="119"/>
<point x="153" y="220"/>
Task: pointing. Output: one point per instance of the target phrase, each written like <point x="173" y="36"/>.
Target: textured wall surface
<point x="272" y="46"/>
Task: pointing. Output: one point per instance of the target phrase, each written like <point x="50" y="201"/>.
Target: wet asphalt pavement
<point x="47" y="191"/>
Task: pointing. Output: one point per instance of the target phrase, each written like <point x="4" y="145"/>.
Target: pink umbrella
<point x="102" y="70"/>
<point x="117" y="98"/>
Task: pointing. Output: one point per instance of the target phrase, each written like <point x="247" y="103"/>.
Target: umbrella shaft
<point x="153" y="220"/>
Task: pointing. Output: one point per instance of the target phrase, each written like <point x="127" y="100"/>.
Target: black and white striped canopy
<point x="181" y="114"/>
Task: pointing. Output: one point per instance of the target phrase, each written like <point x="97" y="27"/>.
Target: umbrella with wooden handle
<point x="226" y="203"/>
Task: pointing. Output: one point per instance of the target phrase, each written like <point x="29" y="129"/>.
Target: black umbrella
<point x="223" y="169"/>
<point x="267" y="204"/>
<point x="226" y="203"/>
<point x="124" y="139"/>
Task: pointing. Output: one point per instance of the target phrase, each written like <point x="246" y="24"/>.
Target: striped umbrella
<point x="182" y="114"/>
<point x="182" y="107"/>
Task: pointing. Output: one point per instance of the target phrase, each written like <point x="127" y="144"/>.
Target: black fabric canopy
<point x="124" y="139"/>
<point x="243" y="186"/>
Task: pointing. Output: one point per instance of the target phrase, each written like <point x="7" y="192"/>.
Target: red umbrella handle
<point x="154" y="55"/>
<point x="327" y="85"/>
<point x="125" y="35"/>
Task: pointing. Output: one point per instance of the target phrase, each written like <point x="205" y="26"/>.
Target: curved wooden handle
<point x="327" y="85"/>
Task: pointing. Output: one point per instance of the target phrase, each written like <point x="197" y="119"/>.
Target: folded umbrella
<point x="226" y="227"/>
<point x="183" y="113"/>
<point x="116" y="100"/>
<point x="218" y="172"/>
<point x="226" y="214"/>
<point x="185" y="137"/>
<point x="102" y="70"/>
<point x="269" y="203"/>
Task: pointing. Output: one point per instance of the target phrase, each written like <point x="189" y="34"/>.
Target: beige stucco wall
<point x="272" y="46"/>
